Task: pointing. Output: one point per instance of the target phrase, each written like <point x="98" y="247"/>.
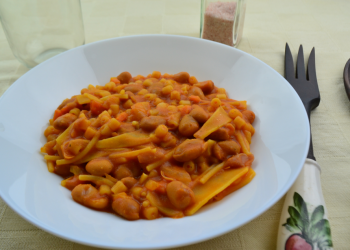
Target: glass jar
<point x="222" y="21"/>
<point x="39" y="29"/>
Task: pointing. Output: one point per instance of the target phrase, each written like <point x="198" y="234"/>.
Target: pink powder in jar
<point x="218" y="22"/>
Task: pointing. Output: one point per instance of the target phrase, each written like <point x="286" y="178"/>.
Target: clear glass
<point x="39" y="29"/>
<point x="222" y="21"/>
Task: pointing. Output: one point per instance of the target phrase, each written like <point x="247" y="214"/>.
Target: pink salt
<point x="218" y="22"/>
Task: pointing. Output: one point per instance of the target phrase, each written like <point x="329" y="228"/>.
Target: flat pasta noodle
<point x="248" y="177"/>
<point x="124" y="141"/>
<point x="131" y="154"/>
<point x="82" y="154"/>
<point x="62" y="137"/>
<point x="243" y="142"/>
<point x="50" y="166"/>
<point x="98" y="154"/>
<point x="52" y="157"/>
<point x="96" y="179"/>
<point x="213" y="170"/>
<point x="217" y="120"/>
<point x="154" y="200"/>
<point x="154" y="165"/>
<point x="203" y="193"/>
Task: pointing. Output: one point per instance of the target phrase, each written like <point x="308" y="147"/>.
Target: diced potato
<point x="82" y="99"/>
<point x="119" y="187"/>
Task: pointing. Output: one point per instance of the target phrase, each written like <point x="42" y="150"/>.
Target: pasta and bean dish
<point x="147" y="147"/>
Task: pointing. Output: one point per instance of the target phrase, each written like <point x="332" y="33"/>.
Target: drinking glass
<point x="222" y="21"/>
<point x="39" y="29"/>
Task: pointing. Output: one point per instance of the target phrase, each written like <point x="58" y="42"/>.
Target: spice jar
<point x="222" y="21"/>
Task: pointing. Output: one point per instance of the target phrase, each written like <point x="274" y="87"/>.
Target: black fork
<point x="304" y="84"/>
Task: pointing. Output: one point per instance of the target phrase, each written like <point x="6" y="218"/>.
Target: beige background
<point x="269" y="24"/>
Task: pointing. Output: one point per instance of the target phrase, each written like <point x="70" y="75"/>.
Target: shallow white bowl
<point x="280" y="143"/>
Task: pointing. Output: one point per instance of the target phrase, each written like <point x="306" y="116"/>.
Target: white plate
<point x="280" y="144"/>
